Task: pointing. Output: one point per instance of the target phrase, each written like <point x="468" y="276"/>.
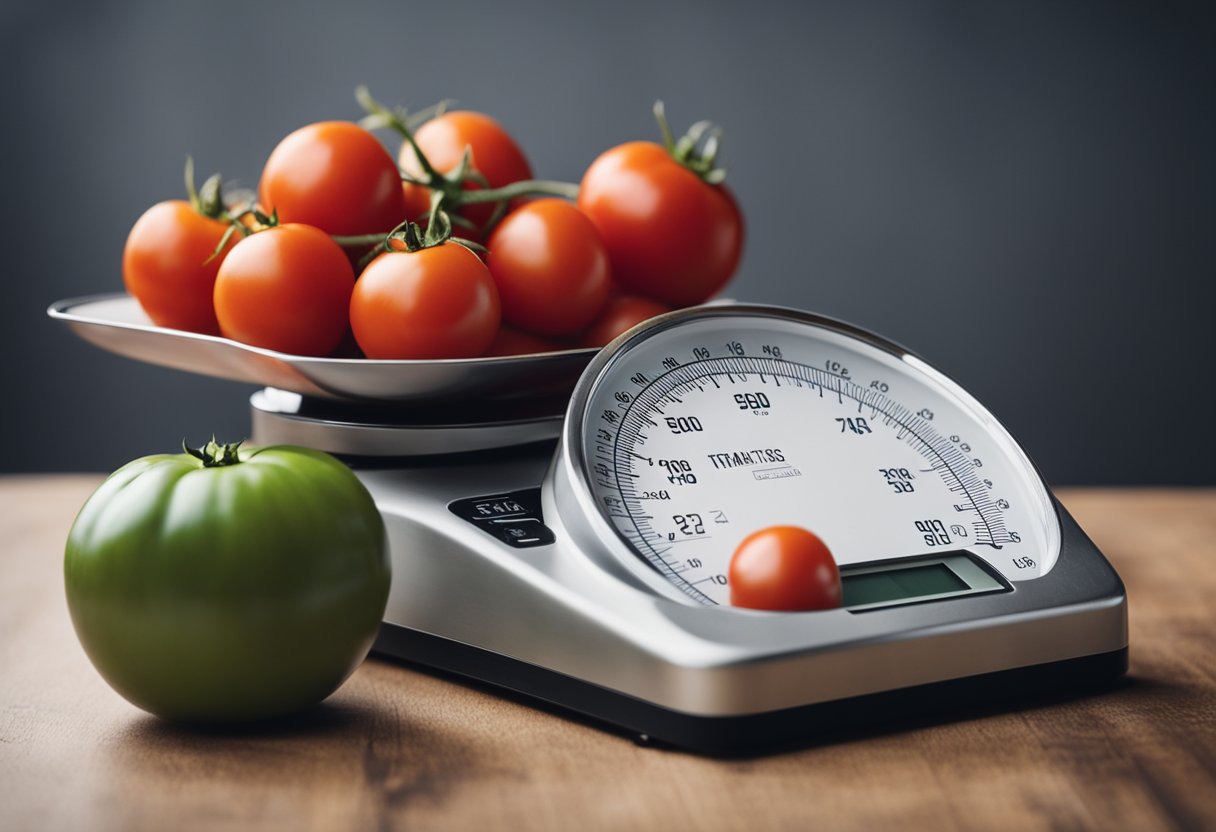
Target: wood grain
<point x="396" y="748"/>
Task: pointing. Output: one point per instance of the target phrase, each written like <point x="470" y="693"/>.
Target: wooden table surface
<point x="397" y="748"/>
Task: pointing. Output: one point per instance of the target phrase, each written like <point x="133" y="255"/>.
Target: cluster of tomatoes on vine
<point x="452" y="250"/>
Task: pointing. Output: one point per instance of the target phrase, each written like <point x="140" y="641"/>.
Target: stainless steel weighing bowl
<point x="115" y="322"/>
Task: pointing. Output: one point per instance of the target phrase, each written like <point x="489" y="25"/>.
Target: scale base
<point x="547" y="623"/>
<point x="492" y="586"/>
<point x="754" y="734"/>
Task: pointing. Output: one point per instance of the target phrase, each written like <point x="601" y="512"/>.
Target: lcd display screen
<point x="900" y="584"/>
<point x="944" y="576"/>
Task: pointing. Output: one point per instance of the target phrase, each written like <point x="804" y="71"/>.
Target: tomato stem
<point x="191" y="191"/>
<point x="697" y="150"/>
<point x="399" y="120"/>
<point x="525" y="187"/>
<point x="209" y="199"/>
<point x="439" y="226"/>
<point x="411" y="236"/>
<point x="451" y="184"/>
<point x="357" y="239"/>
<point x="660" y="115"/>
<point x="235" y="225"/>
<point x="215" y="454"/>
<point x="413" y="241"/>
<point x="500" y="211"/>
<point x="209" y="202"/>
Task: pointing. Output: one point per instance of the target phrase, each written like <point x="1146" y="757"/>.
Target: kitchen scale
<point x="573" y="546"/>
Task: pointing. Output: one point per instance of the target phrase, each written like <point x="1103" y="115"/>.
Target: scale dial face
<point x="709" y="424"/>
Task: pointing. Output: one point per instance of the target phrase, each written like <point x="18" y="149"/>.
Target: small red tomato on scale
<point x="674" y="233"/>
<point x="286" y="288"/>
<point x="428" y="302"/>
<point x="336" y="176"/>
<point x="550" y="267"/>
<point x="169" y="262"/>
<point x="784" y="568"/>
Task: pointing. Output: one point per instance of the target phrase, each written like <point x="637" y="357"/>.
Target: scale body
<point x="581" y="561"/>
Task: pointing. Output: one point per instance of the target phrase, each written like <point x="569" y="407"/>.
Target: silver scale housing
<point x="570" y="625"/>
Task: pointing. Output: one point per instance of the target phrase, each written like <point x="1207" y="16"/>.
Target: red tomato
<point x="784" y="568"/>
<point x="336" y="176"/>
<point x="550" y="266"/>
<point x="622" y="312"/>
<point x="437" y="302"/>
<point x="510" y="341"/>
<point x="670" y="236"/>
<point x="286" y="288"/>
<point x="165" y="265"/>
<point x="496" y="156"/>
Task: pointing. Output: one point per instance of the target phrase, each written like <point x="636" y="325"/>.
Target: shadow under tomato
<point x="374" y="760"/>
<point x="313" y="722"/>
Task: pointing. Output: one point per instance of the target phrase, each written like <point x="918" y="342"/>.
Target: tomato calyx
<point x="410" y="237"/>
<point x="209" y="199"/>
<point x="260" y="220"/>
<point x="236" y="210"/>
<point x="215" y="454"/>
<point x="697" y="150"/>
<point x="452" y="184"/>
<point x="237" y="223"/>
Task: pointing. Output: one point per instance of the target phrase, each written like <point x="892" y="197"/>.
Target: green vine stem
<point x="399" y="120"/>
<point x="527" y="187"/>
<point x="209" y="201"/>
<point x="451" y="185"/>
<point x="438" y="228"/>
<point x="235" y="226"/>
<point x="697" y="149"/>
<point x="357" y="240"/>
<point x="191" y="191"/>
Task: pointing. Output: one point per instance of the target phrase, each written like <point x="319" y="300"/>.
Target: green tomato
<point x="228" y="584"/>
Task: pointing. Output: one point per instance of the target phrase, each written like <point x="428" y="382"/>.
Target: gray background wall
<point x="1024" y="193"/>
